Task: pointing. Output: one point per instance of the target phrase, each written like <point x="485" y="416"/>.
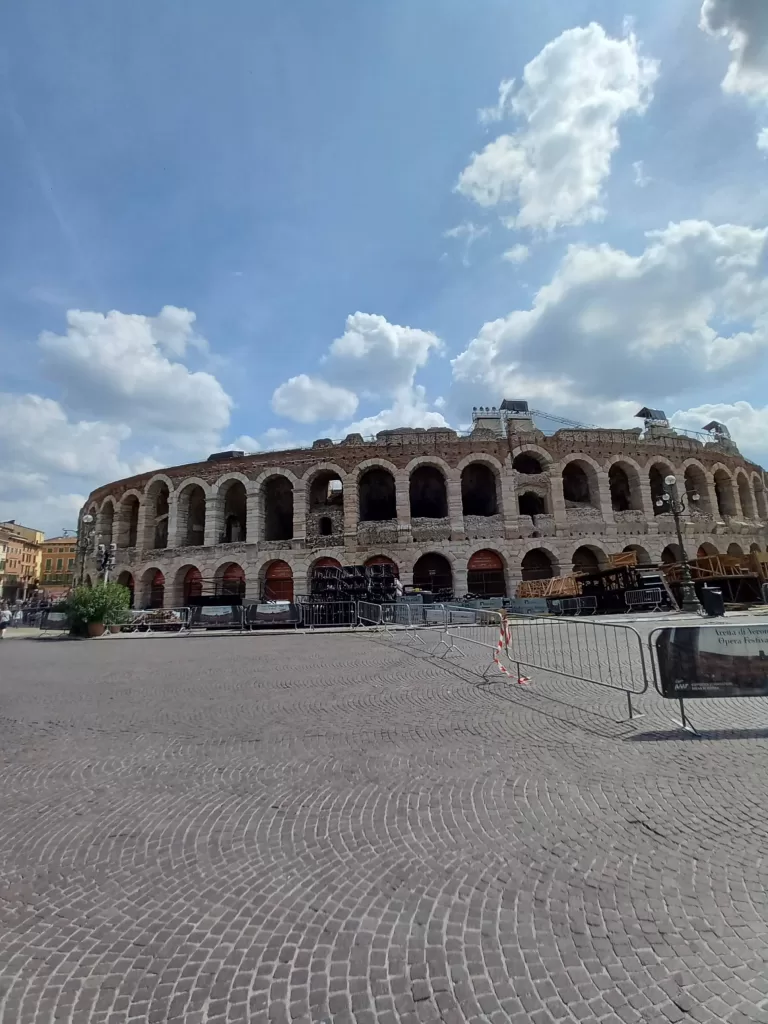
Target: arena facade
<point x="475" y="512"/>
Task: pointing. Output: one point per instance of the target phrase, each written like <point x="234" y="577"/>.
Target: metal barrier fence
<point x="601" y="653"/>
<point x="573" y="605"/>
<point x="329" y="614"/>
<point x="652" y="597"/>
<point x="369" y="614"/>
<point x="159" y="620"/>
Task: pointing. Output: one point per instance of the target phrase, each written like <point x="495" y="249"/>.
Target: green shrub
<point x="106" y="602"/>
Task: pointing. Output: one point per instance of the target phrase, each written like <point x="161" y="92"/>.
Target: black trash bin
<point x="712" y="602"/>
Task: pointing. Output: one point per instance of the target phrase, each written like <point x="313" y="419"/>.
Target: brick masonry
<point x="740" y="518"/>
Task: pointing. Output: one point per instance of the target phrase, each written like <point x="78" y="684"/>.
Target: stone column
<point x="253" y="528"/>
<point x="604" y="495"/>
<point x="507" y="498"/>
<point x="716" y="514"/>
<point x="351" y="510"/>
<point x="558" y="501"/>
<point x="455" y="510"/>
<point x="460" y="585"/>
<point x="402" y="497"/>
<point x="649" y="510"/>
<point x="141" y="527"/>
<point x="176" y="528"/>
<point x="300" y="512"/>
<point x="213" y="515"/>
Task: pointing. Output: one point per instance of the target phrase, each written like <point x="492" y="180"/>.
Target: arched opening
<point x="156" y="589"/>
<point x="671" y="554"/>
<point x="760" y="502"/>
<point x="235" y="512"/>
<point x="696" y="483"/>
<point x="537" y="565"/>
<point x="624" y="488"/>
<point x="125" y="579"/>
<point x="107" y="522"/>
<point x="428" y="496"/>
<point x="433" y="572"/>
<point x="278" y="581"/>
<point x="527" y="464"/>
<point x="578" y="488"/>
<point x="588" y="560"/>
<point x="643" y="558"/>
<point x="325" y="526"/>
<point x="326" y="490"/>
<point x="485" y="575"/>
<point x="318" y="568"/>
<point x="157" y="506"/>
<point x="278" y="509"/>
<point x="531" y="504"/>
<point x="736" y="550"/>
<point x="230" y="580"/>
<point x="726" y="500"/>
<point x="656" y="476"/>
<point x="383" y="560"/>
<point x="479" y="496"/>
<point x="745" y="497"/>
<point x="377" y="496"/>
<point x="755" y="549"/>
<point x="129" y="516"/>
<point x="191" y="516"/>
<point x="189" y="585"/>
<point x="325" y="509"/>
<point x="707" y="550"/>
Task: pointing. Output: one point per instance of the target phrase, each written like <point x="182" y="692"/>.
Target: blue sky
<point x="258" y="224"/>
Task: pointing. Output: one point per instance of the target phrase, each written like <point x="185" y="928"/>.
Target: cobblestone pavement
<point x="340" y="829"/>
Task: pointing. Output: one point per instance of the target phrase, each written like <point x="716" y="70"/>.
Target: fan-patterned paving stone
<point x="338" y="829"/>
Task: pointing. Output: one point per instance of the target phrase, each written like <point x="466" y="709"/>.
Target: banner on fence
<point x="712" y="661"/>
<point x="528" y="606"/>
<point x="53" y="618"/>
<point x="223" y="616"/>
<point x="273" y="613"/>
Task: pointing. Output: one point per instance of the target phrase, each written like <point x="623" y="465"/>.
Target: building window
<point x="71" y="564"/>
<point x="48" y="565"/>
<point x="59" y="564"/>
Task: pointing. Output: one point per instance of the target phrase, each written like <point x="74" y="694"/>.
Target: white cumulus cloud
<point x="744" y="24"/>
<point x="748" y="425"/>
<point x="572" y="97"/>
<point x="409" y="409"/>
<point x="517" y="254"/>
<point x="309" y="399"/>
<point x="127" y="368"/>
<point x="691" y="310"/>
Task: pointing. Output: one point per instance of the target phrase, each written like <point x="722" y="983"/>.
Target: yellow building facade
<point x="57" y="565"/>
<point x="21" y="571"/>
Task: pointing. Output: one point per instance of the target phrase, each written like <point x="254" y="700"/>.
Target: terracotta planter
<point x="96" y="628"/>
<point x="114" y="629"/>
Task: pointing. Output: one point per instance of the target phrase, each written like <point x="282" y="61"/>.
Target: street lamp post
<point x="84" y="537"/>
<point x="677" y="506"/>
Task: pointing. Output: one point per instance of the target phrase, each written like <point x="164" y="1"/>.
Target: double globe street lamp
<point x="672" y="501"/>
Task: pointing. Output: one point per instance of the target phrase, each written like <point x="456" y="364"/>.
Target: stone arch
<point x="755" y="549"/>
<point x="707" y="550"/>
<point x="128" y="520"/>
<point x="735" y="550"/>
<point x="433" y="571"/>
<point x="157" y="510"/>
<point x="277" y="498"/>
<point x="724" y="491"/>
<point x="105" y="523"/>
<point x="624" y="484"/>
<point x="539" y="563"/>
<point x="187" y="583"/>
<point x="480" y="487"/>
<point x="428" y="492"/>
<point x="746" y="499"/>
<point x="486" y="574"/>
<point x="229" y="579"/>
<point x="377" y="493"/>
<point x="761" y="505"/>
<point x="325" y="485"/>
<point x="232" y="496"/>
<point x="658" y="470"/>
<point x="695" y="482"/>
<point x="152" y="588"/>
<point x="581" y="485"/>
<point x="643" y="556"/>
<point x="191" y="514"/>
<point x="383" y="560"/>
<point x="276" y="579"/>
<point x="528" y="464"/>
<point x="589" y="558"/>
<point x="534" y="451"/>
<point x="125" y="579"/>
<point x="671" y="554"/>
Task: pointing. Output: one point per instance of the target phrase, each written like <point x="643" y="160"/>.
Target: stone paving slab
<point x="343" y="828"/>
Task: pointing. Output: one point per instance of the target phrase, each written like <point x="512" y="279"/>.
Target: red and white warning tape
<point x="505" y="636"/>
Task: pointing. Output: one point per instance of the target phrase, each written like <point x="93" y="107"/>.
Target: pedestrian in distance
<point x="5" y="619"/>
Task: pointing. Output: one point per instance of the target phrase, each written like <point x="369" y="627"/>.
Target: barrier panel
<point x="650" y="599"/>
<point x="328" y="614"/>
<point x="216" y="616"/>
<point x="601" y="653"/>
<point x="709" y="662"/>
<point x="156" y="620"/>
<point x="573" y="605"/>
<point x="369" y="614"/>
<point x="271" y="613"/>
<point x="55" y="619"/>
<point x="477" y="632"/>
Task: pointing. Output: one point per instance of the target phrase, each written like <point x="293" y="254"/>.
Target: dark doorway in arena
<point x="191" y="515"/>
<point x="278" y="509"/>
<point x="378" y="499"/>
<point x="157" y="590"/>
<point x="129" y="515"/>
<point x="621" y="491"/>
<point x="429" y="499"/>
<point x="530" y="504"/>
<point x="433" y="572"/>
<point x="485" y="575"/>
<point x="230" y="581"/>
<point x="576" y="485"/>
<point x="587" y="560"/>
<point x="278" y="581"/>
<point x="537" y="565"/>
<point x="235" y="512"/>
<point x="125" y="579"/>
<point x="478" y="490"/>
<point x="527" y="464"/>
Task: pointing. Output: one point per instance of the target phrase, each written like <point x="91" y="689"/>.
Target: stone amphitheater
<point x="475" y="513"/>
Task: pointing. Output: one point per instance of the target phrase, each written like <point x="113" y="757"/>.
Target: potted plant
<point x="93" y="609"/>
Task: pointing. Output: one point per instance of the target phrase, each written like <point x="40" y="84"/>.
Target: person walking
<point x="5" y="619"/>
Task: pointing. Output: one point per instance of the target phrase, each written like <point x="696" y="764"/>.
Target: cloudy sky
<point x="254" y="224"/>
